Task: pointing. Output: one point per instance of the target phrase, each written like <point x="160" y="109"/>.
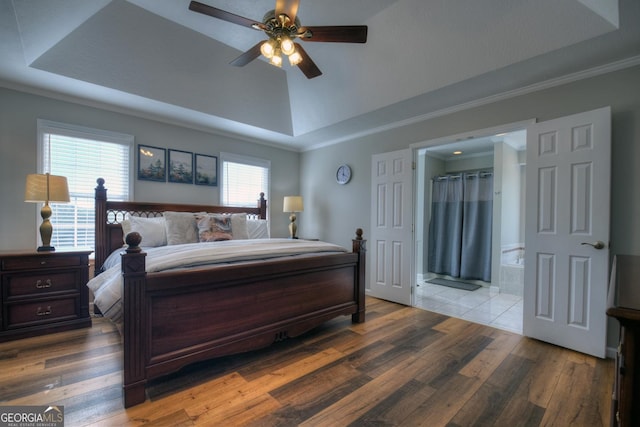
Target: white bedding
<point x="107" y="286"/>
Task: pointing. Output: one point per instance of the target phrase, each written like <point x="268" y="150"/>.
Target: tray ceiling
<point x="158" y="59"/>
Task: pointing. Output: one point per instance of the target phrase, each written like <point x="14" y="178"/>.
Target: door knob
<point x="596" y="245"/>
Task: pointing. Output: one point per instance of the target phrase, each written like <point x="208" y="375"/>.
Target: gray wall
<point x="338" y="210"/>
<point x="19" y="112"/>
<point x="334" y="211"/>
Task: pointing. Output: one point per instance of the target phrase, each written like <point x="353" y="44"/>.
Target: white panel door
<point x="391" y="241"/>
<point x="567" y="231"/>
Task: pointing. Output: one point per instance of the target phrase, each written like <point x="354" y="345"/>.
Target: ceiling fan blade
<point x="248" y="56"/>
<point x="221" y="14"/>
<point x="288" y="7"/>
<point x="307" y="66"/>
<point x="337" y="34"/>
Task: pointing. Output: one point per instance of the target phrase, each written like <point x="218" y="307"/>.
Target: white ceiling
<point x="157" y="59"/>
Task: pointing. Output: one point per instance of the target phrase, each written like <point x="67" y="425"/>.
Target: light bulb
<point x="287" y="45"/>
<point x="276" y="60"/>
<point x="295" y="58"/>
<point x="267" y="48"/>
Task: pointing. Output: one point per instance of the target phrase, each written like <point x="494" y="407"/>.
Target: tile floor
<point x="483" y="306"/>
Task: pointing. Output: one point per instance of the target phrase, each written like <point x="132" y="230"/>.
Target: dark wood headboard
<point x="109" y="215"/>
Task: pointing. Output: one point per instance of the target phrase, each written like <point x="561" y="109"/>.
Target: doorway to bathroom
<point x="488" y="286"/>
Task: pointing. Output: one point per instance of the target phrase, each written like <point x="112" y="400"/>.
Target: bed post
<point x="262" y="204"/>
<point x="360" y="248"/>
<point x="101" y="224"/>
<point x="135" y="322"/>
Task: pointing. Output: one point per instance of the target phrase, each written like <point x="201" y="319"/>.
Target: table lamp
<point x="292" y="204"/>
<point x="45" y="188"/>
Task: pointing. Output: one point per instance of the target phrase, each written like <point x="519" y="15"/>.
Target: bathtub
<point x="512" y="270"/>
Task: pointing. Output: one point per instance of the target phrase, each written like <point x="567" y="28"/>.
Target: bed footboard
<point x="172" y="319"/>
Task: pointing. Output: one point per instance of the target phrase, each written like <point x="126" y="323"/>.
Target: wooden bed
<point x="175" y="318"/>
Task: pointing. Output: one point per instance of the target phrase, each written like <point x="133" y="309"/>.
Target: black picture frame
<point x="180" y="166"/>
<point x="152" y="164"/>
<point x="206" y="170"/>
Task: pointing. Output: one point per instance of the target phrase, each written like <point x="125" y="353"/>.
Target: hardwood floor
<point x="403" y="366"/>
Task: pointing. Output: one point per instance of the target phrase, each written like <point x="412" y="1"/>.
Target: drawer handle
<point x="43" y="262"/>
<point x="41" y="285"/>
<point x="43" y="313"/>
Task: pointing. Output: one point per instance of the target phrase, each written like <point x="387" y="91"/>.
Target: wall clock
<point x="343" y="174"/>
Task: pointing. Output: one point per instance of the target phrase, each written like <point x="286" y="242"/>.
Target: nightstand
<point x="43" y="292"/>
<point x="624" y="305"/>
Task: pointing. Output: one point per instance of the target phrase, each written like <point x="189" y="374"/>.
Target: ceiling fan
<point x="282" y="26"/>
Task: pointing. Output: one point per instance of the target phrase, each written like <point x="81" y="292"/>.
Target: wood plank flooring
<point x="402" y="367"/>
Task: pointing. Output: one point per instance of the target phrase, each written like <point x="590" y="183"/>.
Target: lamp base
<point x="292" y="226"/>
<point x="46" y="249"/>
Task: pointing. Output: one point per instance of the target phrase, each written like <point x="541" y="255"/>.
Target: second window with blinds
<point x="243" y="179"/>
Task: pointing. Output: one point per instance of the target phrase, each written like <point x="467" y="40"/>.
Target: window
<point x="83" y="155"/>
<point x="243" y="179"/>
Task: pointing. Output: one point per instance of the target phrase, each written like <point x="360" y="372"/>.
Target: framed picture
<point x="206" y="170"/>
<point x="152" y="163"/>
<point x="180" y="166"/>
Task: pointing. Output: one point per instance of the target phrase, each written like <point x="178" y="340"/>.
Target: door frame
<point x="445" y="140"/>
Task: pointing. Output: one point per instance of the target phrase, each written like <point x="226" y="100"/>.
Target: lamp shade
<point x="46" y="188"/>
<point x="293" y="204"/>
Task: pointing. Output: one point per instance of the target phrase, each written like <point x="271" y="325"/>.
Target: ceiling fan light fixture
<point x="268" y="49"/>
<point x="282" y="29"/>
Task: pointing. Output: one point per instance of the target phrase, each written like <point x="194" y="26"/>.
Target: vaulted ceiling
<point x="157" y="59"/>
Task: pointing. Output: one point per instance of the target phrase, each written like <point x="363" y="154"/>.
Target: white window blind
<point x="243" y="179"/>
<point x="83" y="155"/>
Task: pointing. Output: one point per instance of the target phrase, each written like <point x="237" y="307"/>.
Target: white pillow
<point x="126" y="229"/>
<point x="239" y="226"/>
<point x="152" y="230"/>
<point x="181" y="227"/>
<point x="257" y="229"/>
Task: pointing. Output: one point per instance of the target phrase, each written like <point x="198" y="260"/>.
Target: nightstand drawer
<point x="37" y="262"/>
<point x="17" y="285"/>
<point x="27" y="314"/>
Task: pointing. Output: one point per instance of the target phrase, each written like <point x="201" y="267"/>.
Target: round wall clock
<point x="343" y="174"/>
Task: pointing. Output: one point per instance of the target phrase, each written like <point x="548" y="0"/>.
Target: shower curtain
<point x="459" y="243"/>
